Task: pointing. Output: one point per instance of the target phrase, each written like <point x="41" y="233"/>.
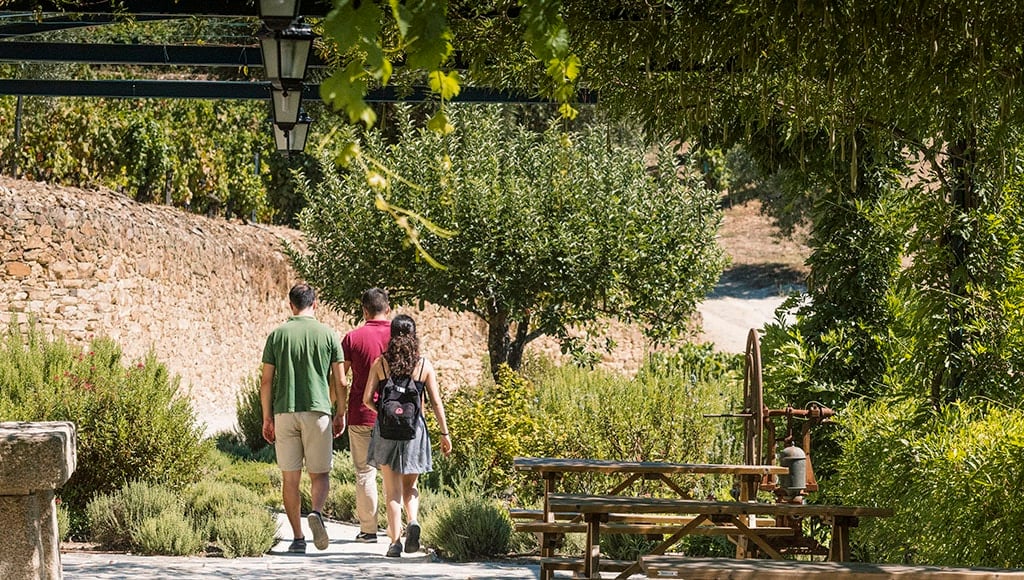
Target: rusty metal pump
<point x="761" y="438"/>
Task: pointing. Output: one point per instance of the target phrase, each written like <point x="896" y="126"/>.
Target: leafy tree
<point x="554" y="231"/>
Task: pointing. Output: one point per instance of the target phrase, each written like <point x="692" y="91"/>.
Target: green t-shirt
<point x="302" y="350"/>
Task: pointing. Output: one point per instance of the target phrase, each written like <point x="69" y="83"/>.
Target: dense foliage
<point x="500" y="420"/>
<point x="655" y="416"/>
<point x="132" y="422"/>
<point x="212" y="157"/>
<point x="958" y="468"/>
<point x="567" y="411"/>
<point x="552" y="231"/>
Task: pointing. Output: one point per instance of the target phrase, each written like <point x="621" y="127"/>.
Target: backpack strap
<point x="380" y="383"/>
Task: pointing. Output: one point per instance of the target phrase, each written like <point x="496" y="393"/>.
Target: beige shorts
<point x="304" y="437"/>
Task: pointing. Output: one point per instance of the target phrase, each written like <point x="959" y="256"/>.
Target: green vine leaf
<point x="424" y="27"/>
<point x="439" y="123"/>
<point x="405" y="219"/>
<point x="446" y="85"/>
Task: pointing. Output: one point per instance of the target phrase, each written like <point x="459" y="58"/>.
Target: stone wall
<point x="201" y="293"/>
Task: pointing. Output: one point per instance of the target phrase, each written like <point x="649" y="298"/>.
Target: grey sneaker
<point x="297" y="546"/>
<point x="316" y="524"/>
<point x="412" y="538"/>
<point x="366" y="538"/>
<point x="395" y="550"/>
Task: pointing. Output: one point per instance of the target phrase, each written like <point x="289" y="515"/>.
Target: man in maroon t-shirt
<point x="361" y="347"/>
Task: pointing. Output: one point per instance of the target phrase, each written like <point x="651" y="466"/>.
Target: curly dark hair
<point x="404" y="347"/>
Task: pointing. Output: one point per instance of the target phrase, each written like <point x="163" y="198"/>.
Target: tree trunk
<point x="498" y="342"/>
<point x="515" y="354"/>
<point x="501" y="348"/>
<point x="962" y="165"/>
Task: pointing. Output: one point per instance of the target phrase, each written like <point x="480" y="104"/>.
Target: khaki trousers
<point x="366" y="478"/>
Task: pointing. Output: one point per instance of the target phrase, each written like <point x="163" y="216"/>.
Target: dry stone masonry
<point x="201" y="293"/>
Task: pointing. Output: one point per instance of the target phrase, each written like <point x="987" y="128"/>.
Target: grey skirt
<point x="411" y="456"/>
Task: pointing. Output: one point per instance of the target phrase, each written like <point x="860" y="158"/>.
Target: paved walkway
<point x="344" y="558"/>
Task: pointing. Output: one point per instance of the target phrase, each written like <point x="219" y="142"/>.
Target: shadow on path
<point x="751" y="281"/>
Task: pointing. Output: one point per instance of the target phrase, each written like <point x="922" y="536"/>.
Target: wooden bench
<point x="674" y="566"/>
<point x="733" y="516"/>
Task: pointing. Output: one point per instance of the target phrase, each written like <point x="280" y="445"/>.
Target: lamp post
<point x="292" y="139"/>
<point x="286" y="105"/>
<point x="286" y="54"/>
<point x="285" y="44"/>
<point x="278" y="14"/>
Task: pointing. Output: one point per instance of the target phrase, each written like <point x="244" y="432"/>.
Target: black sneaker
<point x="412" y="538"/>
<point x="395" y="550"/>
<point x="366" y="538"/>
<point x="297" y="546"/>
<point x="316" y="524"/>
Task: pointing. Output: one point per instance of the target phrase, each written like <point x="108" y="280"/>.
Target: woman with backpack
<point x="399" y="444"/>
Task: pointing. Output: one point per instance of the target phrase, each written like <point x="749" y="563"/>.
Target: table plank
<point x="565" y="465"/>
<point x="561" y="502"/>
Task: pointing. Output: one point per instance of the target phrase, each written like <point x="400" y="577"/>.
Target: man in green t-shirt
<point x="302" y="376"/>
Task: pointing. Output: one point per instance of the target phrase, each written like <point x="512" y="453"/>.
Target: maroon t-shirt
<point x="362" y="346"/>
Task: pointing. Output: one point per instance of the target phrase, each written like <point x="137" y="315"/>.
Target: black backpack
<point x="399" y="404"/>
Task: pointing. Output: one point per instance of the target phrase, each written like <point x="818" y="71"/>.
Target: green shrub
<point x="169" y="534"/>
<point x="115" y="519"/>
<point x="959" y="468"/>
<point x="250" y="532"/>
<point x="262" y="479"/>
<point x="468" y="527"/>
<point x="210" y="501"/>
<point x="249" y="415"/>
<point x="343" y="469"/>
<point x="156" y="520"/>
<point x="706" y="547"/>
<point x="502" y="425"/>
<point x="266" y="455"/>
<point x="626" y="546"/>
<point x="63" y="522"/>
<point x="132" y="422"/>
<point x="429" y="501"/>
<point x="341" y="502"/>
<point x="524" y="543"/>
<point x="231" y="443"/>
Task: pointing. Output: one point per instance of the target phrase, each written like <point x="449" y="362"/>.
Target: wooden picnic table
<point x="553" y="469"/>
<point x="597" y="509"/>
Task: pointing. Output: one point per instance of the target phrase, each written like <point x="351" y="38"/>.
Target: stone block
<point x="18" y="270"/>
<point x="35" y="456"/>
<point x="35" y="459"/>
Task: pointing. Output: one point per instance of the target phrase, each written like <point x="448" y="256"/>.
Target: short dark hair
<point x="375" y="301"/>
<point x="302" y="296"/>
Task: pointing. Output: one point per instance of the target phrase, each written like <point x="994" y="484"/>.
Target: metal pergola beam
<point x="128" y="89"/>
<point x="166" y="7"/>
<point x="144" y="89"/>
<point x="139" y="54"/>
<point x="64" y="22"/>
